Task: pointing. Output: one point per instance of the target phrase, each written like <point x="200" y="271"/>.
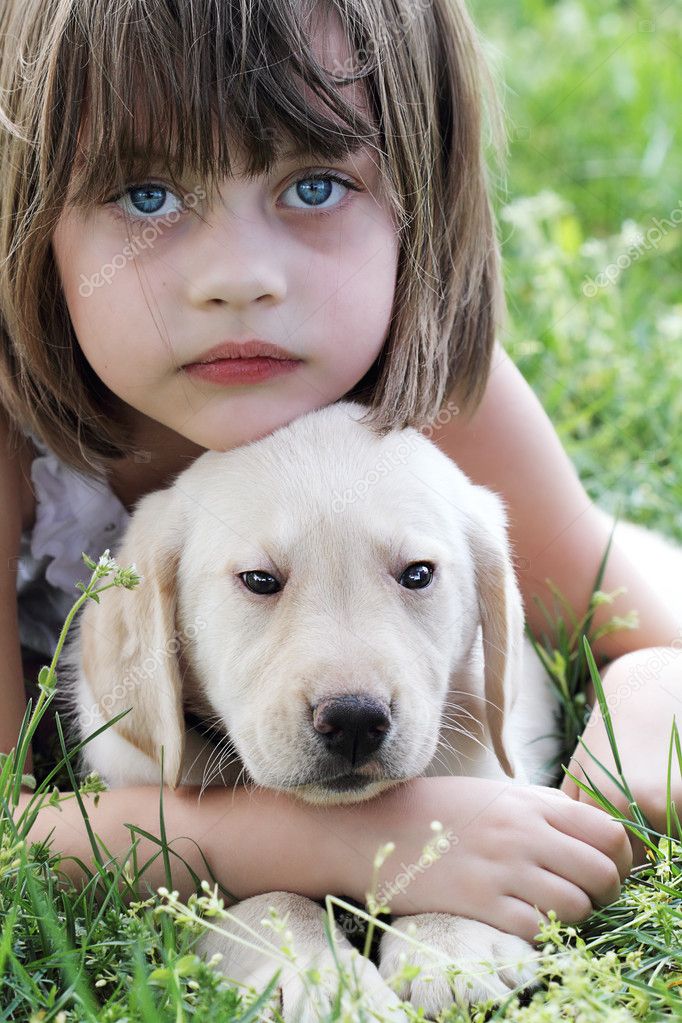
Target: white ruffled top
<point x="74" y="514"/>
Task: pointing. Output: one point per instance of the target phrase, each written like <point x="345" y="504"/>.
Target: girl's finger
<point x="595" y="831"/>
<point x="546" y="889"/>
<point x="516" y="916"/>
<point x="587" y="871"/>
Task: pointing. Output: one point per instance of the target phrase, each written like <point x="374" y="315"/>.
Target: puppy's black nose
<point x="353" y="727"/>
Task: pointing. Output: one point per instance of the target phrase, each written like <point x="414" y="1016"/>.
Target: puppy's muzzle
<point x="351" y="728"/>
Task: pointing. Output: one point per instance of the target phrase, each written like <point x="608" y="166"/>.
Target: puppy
<point x="344" y="605"/>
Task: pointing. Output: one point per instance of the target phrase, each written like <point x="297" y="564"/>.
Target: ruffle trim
<point x="73" y="514"/>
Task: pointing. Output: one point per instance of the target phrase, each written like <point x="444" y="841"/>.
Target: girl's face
<point x="293" y="258"/>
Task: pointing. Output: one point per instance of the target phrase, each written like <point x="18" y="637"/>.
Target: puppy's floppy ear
<point x="128" y="645"/>
<point x="501" y="613"/>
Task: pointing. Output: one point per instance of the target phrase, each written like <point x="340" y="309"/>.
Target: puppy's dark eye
<point x="260" y="582"/>
<point x="417" y="576"/>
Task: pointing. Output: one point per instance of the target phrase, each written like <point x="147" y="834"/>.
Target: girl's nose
<point x="235" y="259"/>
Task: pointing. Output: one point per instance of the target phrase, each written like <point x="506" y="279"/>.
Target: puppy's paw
<point x="467" y="962"/>
<point x="310" y="994"/>
<point x="309" y="982"/>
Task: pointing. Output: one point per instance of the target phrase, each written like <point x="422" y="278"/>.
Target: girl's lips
<point x="240" y="371"/>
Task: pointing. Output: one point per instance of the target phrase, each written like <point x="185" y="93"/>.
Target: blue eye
<point x="316" y="188"/>
<point x="147" y="198"/>
<point x="151" y="201"/>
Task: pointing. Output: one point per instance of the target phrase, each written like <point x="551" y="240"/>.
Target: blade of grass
<point x="71" y="754"/>
<point x="162" y="828"/>
<point x="7" y="929"/>
<point x="558" y="595"/>
<point x="593" y="793"/>
<point x="46" y="922"/>
<point x="117" y="870"/>
<point x="86" y="820"/>
<point x="639" y="829"/>
<point x="606" y="717"/>
<point x="668" y="794"/>
<point x="142" y="989"/>
<point x="600" y="571"/>
<point x="134" y="843"/>
<point x="549" y="618"/>
<point x="28" y="981"/>
<point x="21" y="751"/>
<point x="605" y="769"/>
<point x="136" y="829"/>
<point x="678" y="749"/>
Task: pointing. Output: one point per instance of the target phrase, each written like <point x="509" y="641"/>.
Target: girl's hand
<point x="504" y="849"/>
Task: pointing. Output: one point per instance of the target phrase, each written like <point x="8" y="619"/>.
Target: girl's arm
<point x="253" y="841"/>
<point x="12" y="696"/>
<point x="258" y="841"/>
<point x="510" y="445"/>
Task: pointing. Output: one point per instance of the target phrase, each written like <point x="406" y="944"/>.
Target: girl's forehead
<point x="208" y="117"/>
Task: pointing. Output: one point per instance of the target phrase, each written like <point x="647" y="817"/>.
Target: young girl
<point x="309" y="176"/>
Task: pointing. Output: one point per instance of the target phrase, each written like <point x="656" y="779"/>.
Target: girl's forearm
<point x="253" y="841"/>
<point x="256" y="840"/>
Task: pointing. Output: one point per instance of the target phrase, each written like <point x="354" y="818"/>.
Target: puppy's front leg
<point x="301" y="999"/>
<point x="491" y="961"/>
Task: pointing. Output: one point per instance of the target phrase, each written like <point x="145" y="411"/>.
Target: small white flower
<point x="382" y="854"/>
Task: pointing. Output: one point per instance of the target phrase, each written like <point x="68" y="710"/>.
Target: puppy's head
<point x="316" y="592"/>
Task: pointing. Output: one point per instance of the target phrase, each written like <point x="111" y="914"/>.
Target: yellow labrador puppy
<point x="325" y="593"/>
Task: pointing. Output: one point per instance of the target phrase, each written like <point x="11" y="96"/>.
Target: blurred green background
<point x="590" y="215"/>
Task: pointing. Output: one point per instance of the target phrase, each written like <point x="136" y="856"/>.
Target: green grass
<point x="115" y="950"/>
<point x="592" y="101"/>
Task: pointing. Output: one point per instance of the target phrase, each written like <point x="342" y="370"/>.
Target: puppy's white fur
<point x="335" y="513"/>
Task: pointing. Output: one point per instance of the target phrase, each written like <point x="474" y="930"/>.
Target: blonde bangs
<point x="168" y="74"/>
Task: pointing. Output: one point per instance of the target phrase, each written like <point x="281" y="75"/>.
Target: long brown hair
<point x="196" y="63"/>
